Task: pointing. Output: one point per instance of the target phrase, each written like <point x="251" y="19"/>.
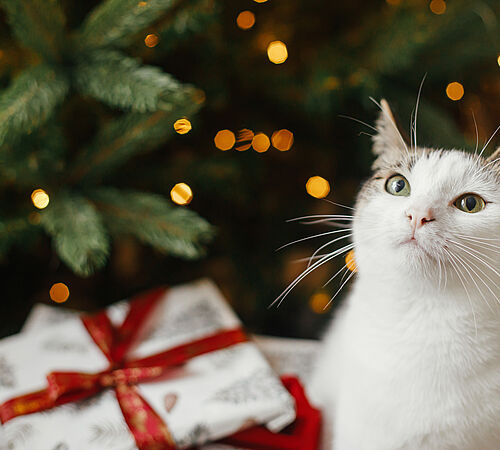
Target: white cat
<point x="412" y="360"/>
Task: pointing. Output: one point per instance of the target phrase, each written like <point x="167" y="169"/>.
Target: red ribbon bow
<point x="148" y="429"/>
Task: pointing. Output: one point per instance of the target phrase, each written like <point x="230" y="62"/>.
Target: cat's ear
<point x="388" y="143"/>
<point x="494" y="156"/>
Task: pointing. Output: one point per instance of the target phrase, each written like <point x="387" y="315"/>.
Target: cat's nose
<point x="419" y="217"/>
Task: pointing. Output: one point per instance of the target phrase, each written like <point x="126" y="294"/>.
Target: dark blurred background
<point x="339" y="54"/>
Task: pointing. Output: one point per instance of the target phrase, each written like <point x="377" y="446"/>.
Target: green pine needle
<point x="78" y="234"/>
<point x="113" y="21"/>
<point x="38" y="24"/>
<point x="123" y="82"/>
<point x="29" y="101"/>
<point x="153" y="220"/>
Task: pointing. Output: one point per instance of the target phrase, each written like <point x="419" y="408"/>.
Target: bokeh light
<point x="498" y="60"/>
<point x="317" y="187"/>
<point x="244" y="140"/>
<point x="59" y="293"/>
<point x="182" y="126"/>
<point x="350" y="261"/>
<point x="320" y="302"/>
<point x="455" y="91"/>
<point x="181" y="194"/>
<point x="151" y="40"/>
<point x="224" y="140"/>
<point x="277" y="52"/>
<point x="261" y="142"/>
<point x="245" y="20"/>
<point x="260" y="1"/>
<point x="437" y="6"/>
<point x="282" y="140"/>
<point x="40" y="198"/>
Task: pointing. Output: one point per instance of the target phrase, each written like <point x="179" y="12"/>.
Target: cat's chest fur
<point x="410" y="372"/>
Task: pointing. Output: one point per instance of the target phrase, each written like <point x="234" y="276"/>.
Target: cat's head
<point x="424" y="210"/>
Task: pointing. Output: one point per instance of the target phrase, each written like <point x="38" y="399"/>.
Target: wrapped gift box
<point x="208" y="397"/>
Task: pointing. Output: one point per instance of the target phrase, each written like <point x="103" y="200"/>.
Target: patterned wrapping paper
<point x="211" y="396"/>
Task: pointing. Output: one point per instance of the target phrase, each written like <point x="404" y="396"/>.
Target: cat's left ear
<point x="388" y="143"/>
<point x="494" y="156"/>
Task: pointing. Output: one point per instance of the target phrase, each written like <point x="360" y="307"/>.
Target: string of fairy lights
<point x="244" y="139"/>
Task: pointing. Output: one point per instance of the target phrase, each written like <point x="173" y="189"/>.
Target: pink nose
<point x="418" y="218"/>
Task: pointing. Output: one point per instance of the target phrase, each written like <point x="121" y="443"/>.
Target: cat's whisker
<point x="483" y="245"/>
<point x="459" y="275"/>
<point x="326" y="245"/>
<point x="339" y="289"/>
<point x="334" y="276"/>
<point x="489" y="140"/>
<point x="338" y="204"/>
<point x="307" y="271"/>
<point x="467" y="267"/>
<point x="359" y="121"/>
<point x="473" y="253"/>
<point x="325" y="216"/>
<point x="312" y="237"/>
<point x="416" y="109"/>
<point x="477" y="132"/>
<point x="478" y="238"/>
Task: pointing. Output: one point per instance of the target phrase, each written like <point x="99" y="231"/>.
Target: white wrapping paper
<point x="212" y="396"/>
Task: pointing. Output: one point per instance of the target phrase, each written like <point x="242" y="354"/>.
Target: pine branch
<point x="29" y="101"/>
<point x="77" y="231"/>
<point x="127" y="136"/>
<point x="114" y="20"/>
<point x="38" y="24"/>
<point x="153" y="220"/>
<point x="121" y="81"/>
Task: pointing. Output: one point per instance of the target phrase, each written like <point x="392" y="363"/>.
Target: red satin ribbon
<point x="148" y="429"/>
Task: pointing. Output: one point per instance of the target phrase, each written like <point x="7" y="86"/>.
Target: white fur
<point x="412" y="360"/>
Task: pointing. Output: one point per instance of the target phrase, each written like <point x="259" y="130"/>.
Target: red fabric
<point x="303" y="434"/>
<point x="149" y="431"/>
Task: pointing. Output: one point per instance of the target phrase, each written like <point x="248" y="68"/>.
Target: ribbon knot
<point x="148" y="429"/>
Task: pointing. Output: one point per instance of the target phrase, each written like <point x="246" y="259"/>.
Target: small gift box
<point x="168" y="369"/>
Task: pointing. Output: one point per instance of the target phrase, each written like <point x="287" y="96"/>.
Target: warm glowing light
<point x="182" y="126"/>
<point x="40" y="198"/>
<point x="224" y="140"/>
<point x="245" y="20"/>
<point x="142" y="4"/>
<point x="59" y="292"/>
<point x="199" y="96"/>
<point x="455" y="91"/>
<point x="181" y="194"/>
<point x="151" y="40"/>
<point x="282" y="140"/>
<point x="320" y="302"/>
<point x="437" y="6"/>
<point x="317" y="187"/>
<point x="260" y="142"/>
<point x="277" y="52"/>
<point x="350" y="261"/>
<point x="498" y="60"/>
<point x="331" y="83"/>
<point x="260" y="1"/>
<point x="244" y="140"/>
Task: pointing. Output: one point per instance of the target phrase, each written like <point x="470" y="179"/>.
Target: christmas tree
<point x="89" y="89"/>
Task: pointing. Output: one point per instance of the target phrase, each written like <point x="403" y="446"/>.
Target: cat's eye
<point x="470" y="203"/>
<point x="398" y="185"/>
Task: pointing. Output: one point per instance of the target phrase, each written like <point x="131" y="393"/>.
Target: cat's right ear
<point x="388" y="143"/>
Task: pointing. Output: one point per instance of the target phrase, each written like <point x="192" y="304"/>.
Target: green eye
<point x="470" y="203"/>
<point x="398" y="185"/>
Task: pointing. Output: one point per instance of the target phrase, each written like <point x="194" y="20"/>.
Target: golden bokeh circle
<point x="59" y="293"/>
<point x="455" y="91"/>
<point x="261" y="142"/>
<point x="224" y="140"/>
<point x="350" y="261"/>
<point x="437" y="6"/>
<point x="282" y="140"/>
<point x="320" y="302"/>
<point x="317" y="187"/>
<point x="151" y="40"/>
<point x="182" y="126"/>
<point x="181" y="194"/>
<point x="40" y="198"/>
<point x="245" y="20"/>
<point x="277" y="52"/>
